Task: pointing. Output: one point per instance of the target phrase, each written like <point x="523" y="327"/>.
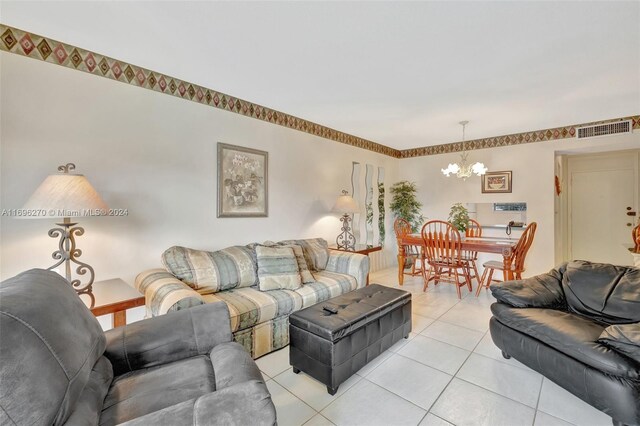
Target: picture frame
<point x="496" y="182"/>
<point x="242" y="181"/>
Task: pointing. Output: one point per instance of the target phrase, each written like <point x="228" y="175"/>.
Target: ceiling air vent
<point x="604" y="129"/>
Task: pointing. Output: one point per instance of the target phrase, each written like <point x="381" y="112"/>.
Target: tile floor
<point x="447" y="372"/>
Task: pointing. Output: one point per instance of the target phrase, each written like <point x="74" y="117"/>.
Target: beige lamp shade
<point x="345" y="204"/>
<point x="66" y="195"/>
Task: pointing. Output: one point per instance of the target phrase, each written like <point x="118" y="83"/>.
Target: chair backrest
<point x="441" y="241"/>
<point x="474" y="229"/>
<point x="401" y="227"/>
<point x="50" y="342"/>
<point x="521" y="249"/>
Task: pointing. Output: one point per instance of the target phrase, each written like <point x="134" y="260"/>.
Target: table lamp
<point x="67" y="195"/>
<point x="346" y="205"/>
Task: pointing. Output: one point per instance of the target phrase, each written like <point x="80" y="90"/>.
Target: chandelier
<point x="463" y="169"/>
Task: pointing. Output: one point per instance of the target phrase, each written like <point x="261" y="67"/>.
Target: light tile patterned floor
<point x="447" y="372"/>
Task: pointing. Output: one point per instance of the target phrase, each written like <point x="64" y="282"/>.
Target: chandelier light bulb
<point x="463" y="170"/>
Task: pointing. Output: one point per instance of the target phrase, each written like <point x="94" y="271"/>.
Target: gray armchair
<point x="58" y="367"/>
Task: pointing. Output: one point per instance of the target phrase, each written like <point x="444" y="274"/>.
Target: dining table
<point x="495" y="245"/>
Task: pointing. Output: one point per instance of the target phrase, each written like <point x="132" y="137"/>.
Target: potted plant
<point x="405" y="204"/>
<point x="459" y="217"/>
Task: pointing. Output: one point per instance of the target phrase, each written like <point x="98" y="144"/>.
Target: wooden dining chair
<point x="442" y="249"/>
<point x="516" y="262"/>
<point x="473" y="230"/>
<point x="411" y="253"/>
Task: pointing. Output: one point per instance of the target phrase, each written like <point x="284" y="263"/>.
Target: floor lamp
<point x="68" y="195"/>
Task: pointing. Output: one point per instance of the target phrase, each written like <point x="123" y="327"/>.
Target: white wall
<point x="533" y="183"/>
<point x="154" y="155"/>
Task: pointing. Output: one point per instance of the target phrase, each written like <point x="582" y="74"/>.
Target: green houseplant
<point x="459" y="217"/>
<point x="405" y="204"/>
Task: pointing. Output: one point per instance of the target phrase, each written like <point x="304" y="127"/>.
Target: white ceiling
<point x="401" y="74"/>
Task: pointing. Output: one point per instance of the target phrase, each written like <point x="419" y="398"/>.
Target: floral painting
<point x="242" y="181"/>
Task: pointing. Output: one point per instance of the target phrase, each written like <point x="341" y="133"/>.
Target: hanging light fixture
<point x="463" y="169"/>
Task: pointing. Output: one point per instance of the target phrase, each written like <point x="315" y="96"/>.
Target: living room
<point x="151" y="151"/>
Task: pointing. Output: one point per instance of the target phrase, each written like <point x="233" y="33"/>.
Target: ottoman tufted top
<point x="353" y="311"/>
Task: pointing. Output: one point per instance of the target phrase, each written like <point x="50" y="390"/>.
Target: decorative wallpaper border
<point x="564" y="132"/>
<point x="34" y="46"/>
<point x="14" y="40"/>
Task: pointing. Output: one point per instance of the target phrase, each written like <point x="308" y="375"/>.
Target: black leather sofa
<point x="579" y="326"/>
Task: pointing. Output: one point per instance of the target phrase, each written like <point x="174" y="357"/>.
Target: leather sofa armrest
<point x="247" y="403"/>
<point x="164" y="293"/>
<point x="623" y="338"/>
<point x="168" y="338"/>
<point x="354" y="264"/>
<point x="541" y="291"/>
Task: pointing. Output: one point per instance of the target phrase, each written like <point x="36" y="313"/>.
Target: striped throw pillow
<point x="210" y="272"/>
<point x="305" y="273"/>
<point x="316" y="252"/>
<point x="277" y="268"/>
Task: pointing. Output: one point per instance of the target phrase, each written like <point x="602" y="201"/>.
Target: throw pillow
<point x="316" y="252"/>
<point x="624" y="338"/>
<point x="210" y="272"/>
<point x="277" y="268"/>
<point x="305" y="274"/>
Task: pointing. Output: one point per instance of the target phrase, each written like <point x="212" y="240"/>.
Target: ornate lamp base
<point x="67" y="253"/>
<point x="346" y="240"/>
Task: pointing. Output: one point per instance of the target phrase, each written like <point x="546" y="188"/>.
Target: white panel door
<point x="603" y="189"/>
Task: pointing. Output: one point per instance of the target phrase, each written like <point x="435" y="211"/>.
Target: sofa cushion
<point x="277" y="268"/>
<point x="605" y="292"/>
<point x="571" y="334"/>
<point x="623" y="338"/>
<point x="210" y="272"/>
<point x="541" y="291"/>
<point x="39" y="310"/>
<point x="250" y="306"/>
<point x="144" y="391"/>
<point x="316" y="252"/>
<point x="327" y="285"/>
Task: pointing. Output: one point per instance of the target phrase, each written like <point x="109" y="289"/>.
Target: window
<point x="509" y="207"/>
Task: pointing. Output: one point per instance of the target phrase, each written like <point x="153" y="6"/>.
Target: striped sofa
<point x="259" y="319"/>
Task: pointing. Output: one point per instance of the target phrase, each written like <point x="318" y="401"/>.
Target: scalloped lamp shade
<point x="66" y="195"/>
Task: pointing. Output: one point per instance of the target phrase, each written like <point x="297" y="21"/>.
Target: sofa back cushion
<point x="604" y="292"/>
<point x="49" y="344"/>
<point x="210" y="272"/>
<point x="277" y="268"/>
<point x="316" y="252"/>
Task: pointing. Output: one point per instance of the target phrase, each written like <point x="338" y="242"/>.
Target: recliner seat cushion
<point x="605" y="292"/>
<point x="144" y="391"/>
<point x="571" y="334"/>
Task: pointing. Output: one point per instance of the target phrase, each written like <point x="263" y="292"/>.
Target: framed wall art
<point x="242" y="181"/>
<point x="496" y="182"/>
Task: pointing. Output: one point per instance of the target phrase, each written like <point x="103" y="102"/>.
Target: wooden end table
<point x="114" y="297"/>
<point x="361" y="249"/>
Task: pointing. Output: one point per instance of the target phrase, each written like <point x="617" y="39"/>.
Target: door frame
<point x="563" y="207"/>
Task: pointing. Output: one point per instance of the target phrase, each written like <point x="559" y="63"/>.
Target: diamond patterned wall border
<point x="34" y="46"/>
<point x="565" y="132"/>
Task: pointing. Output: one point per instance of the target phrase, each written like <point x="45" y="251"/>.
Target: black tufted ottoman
<point x="332" y="340"/>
